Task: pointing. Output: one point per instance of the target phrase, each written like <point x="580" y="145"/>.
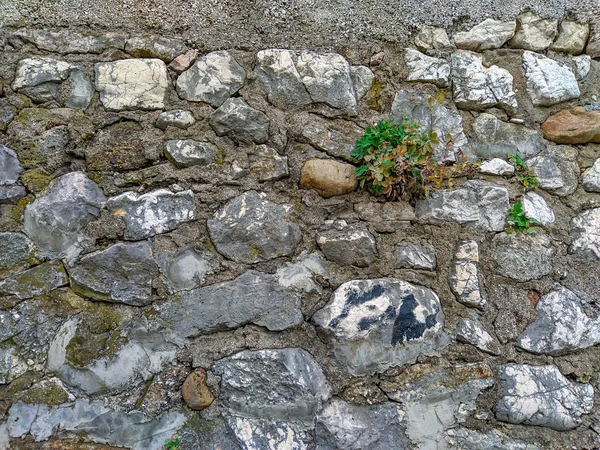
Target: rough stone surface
<point x="69" y="41"/>
<point x="464" y="277"/>
<point x="237" y="120"/>
<point x="591" y="178"/>
<point x="497" y="166"/>
<point x="581" y="66"/>
<point x="277" y="71"/>
<point x="467" y="439"/>
<point x="155" y="47"/>
<point x="573" y="126"/>
<point x="40" y="78"/>
<point x="542" y="396"/>
<point x="473" y="333"/>
<point x="36" y="281"/>
<point x="487" y="35"/>
<point x="10" y="195"/>
<point x="426" y="68"/>
<point x="184" y="270"/>
<point x="15" y="249"/>
<point x="187" y="152"/>
<point x="572" y="37"/>
<point x="329" y="178"/>
<point x="348" y="245"/>
<point x="10" y="169"/>
<point x="152" y="213"/>
<point x="251" y="228"/>
<point x="382" y="323"/>
<point x="548" y="81"/>
<point x="266" y="434"/>
<point x="533" y="32"/>
<point x="177" y="118"/>
<point x="523" y="257"/>
<point x="431" y="39"/>
<point x="536" y="208"/>
<point x="409" y="255"/>
<point x="268" y="164"/>
<point x="556" y="169"/>
<point x="195" y="392"/>
<point x="585" y="233"/>
<point x="362" y="79"/>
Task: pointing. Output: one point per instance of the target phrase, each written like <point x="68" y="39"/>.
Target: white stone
<point x="37" y="70"/>
<point x="464" y="277"/>
<point x="497" y="166"/>
<point x="536" y="208"/>
<point x="533" y="32"/>
<point x="473" y="333"/>
<point x="426" y="68"/>
<point x="487" y="35"/>
<point x="591" y="178"/>
<point x="362" y="79"/>
<point x="581" y="66"/>
<point x="585" y="232"/>
<point x="548" y="81"/>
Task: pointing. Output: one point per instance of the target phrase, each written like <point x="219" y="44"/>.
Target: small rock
<point x="152" y="213"/>
<point x="473" y="333"/>
<point x="585" y="233"/>
<point x="430" y="39"/>
<point x="36" y="281"/>
<point x="195" y="392"/>
<point x="362" y="79"/>
<point x="488" y="35"/>
<point x="212" y="79"/>
<point x="329" y="178"/>
<point x="464" y="277"/>
<point x="415" y="256"/>
<point x="187" y="153"/>
<point x="10" y="195"/>
<point x="591" y="178"/>
<point x="183" y="62"/>
<point x="523" y="257"/>
<point x="542" y="396"/>
<point x="185" y="270"/>
<point x="238" y="120"/>
<point x="533" y="32"/>
<point x="302" y="275"/>
<point x="351" y="245"/>
<point x="40" y="78"/>
<point x="548" y="81"/>
<point x="15" y="248"/>
<point x="268" y="165"/>
<point x="497" y="166"/>
<point x="426" y="68"/>
<point x="572" y="37"/>
<point x="155" y="47"/>
<point x="581" y="66"/>
<point x="573" y="126"/>
<point x="536" y="208"/>
<point x="176" y="118"/>
<point x="10" y="169"/>
<point x="557" y="169"/>
<point x="79" y="91"/>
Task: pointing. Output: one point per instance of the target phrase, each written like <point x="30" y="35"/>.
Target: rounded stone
<point x="329" y="178"/>
<point x="195" y="391"/>
<point x="573" y="126"/>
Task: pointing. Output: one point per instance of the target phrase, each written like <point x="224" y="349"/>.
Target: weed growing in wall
<point x="524" y="174"/>
<point x="517" y="220"/>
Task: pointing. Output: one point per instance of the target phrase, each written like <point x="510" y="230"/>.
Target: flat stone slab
<point x="548" y="81"/>
<point x="36" y="281"/>
<point x="523" y="257"/>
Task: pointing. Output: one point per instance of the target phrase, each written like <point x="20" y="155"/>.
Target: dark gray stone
<point x="36" y="281"/>
<point x="237" y="120"/>
<point x="348" y="245"/>
<point x="521" y="256"/>
<point x="10" y="195"/>
<point x="79" y="90"/>
<point x="15" y="248"/>
<point x="415" y="256"/>
<point x="187" y="152"/>
<point x="464" y="277"/>
<point x="185" y="270"/>
<point x="10" y="169"/>
<point x="276" y="69"/>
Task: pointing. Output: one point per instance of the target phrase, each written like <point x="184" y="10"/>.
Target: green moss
<point x="374" y="95"/>
<point x="254" y="251"/>
<point x="36" y="180"/>
<point x="96" y="177"/>
<point x="220" y="157"/>
<point x="47" y="392"/>
<point x="16" y="211"/>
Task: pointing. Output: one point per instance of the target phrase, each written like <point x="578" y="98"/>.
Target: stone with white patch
<point x="557" y="169"/>
<point x="259" y="434"/>
<point x="464" y="277"/>
<point x="348" y="245"/>
<point x="426" y="68"/>
<point x="177" y="118"/>
<point x="362" y="79"/>
<point x="409" y="255"/>
<point x="185" y="270"/>
<point x="381" y="323"/>
<point x="268" y="165"/>
<point x="472" y="332"/>
<point x="572" y="37"/>
<point x="581" y="66"/>
<point x="523" y="257"/>
<point x="302" y="274"/>
<point x="497" y="166"/>
<point x="536" y="208"/>
<point x="585" y="233"/>
<point x="188" y="152"/>
<point x="40" y="78"/>
<point x="10" y="168"/>
<point x="591" y="178"/>
<point x="276" y="69"/>
<point x="548" y="81"/>
<point x="236" y="119"/>
<point x="12" y="365"/>
<point x="533" y="32"/>
<point x="487" y="35"/>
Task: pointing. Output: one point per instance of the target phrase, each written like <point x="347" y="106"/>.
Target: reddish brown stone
<point x="195" y="392"/>
<point x="573" y="126"/>
<point x="183" y="62"/>
<point x="328" y="177"/>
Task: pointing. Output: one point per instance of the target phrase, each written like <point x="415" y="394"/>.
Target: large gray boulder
<point x="549" y="81"/>
<point x="585" y="233"/>
<point x="382" y="323"/>
<point x="212" y="79"/>
<point x="487" y="35"/>
<point x="56" y="219"/>
<point x="464" y="278"/>
<point x="521" y="256"/>
<point x="251" y="228"/>
<point x="542" y="396"/>
<point x="35" y="281"/>
<point x="348" y="245"/>
<point x="10" y="168"/>
<point x="236" y="119"/>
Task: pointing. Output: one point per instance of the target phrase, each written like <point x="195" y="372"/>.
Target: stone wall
<point x="185" y="254"/>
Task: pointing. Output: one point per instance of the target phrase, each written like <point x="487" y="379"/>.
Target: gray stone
<point x="476" y="203"/>
<point x="382" y="323"/>
<point x="250" y="229"/>
<point x="7" y="114"/>
<point x="585" y="233"/>
<point x="237" y="120"/>
<point x="155" y="47"/>
<point x="348" y="245"/>
<point x="11" y="366"/>
<point x="132" y="84"/>
<point x="36" y="281"/>
<point x="536" y="208"/>
<point x="581" y="66"/>
<point x="187" y="153"/>
<point x="564" y="324"/>
<point x="341" y="425"/>
<point x="152" y="213"/>
<point x="276" y="385"/>
<point x="123" y="273"/>
<point x="268" y="164"/>
<point x="302" y="274"/>
<point x="55" y="221"/>
<point x="69" y="41"/>
<point x="488" y="35"/>
<point x="255" y="434"/>
<point x="40" y="78"/>
<point x="548" y="81"/>
<point x="177" y="118"/>
<point x="533" y="32"/>
<point x="276" y="69"/>
<point x="478" y="87"/>
<point x="415" y="256"/>
<point x="426" y="68"/>
<point x="572" y="37"/>
<point x="498" y="139"/>
<point x="15" y="248"/>
<point x="430" y="39"/>
<point x="557" y="169"/>
<point x="466" y="439"/>
<point x="497" y="166"/>
<point x="10" y="195"/>
<point x="253" y="297"/>
<point x="542" y="396"/>
<point x="79" y="91"/>
<point x="362" y="79"/>
<point x="10" y="169"/>
<point x="185" y="270"/>
<point x="473" y="333"/>
<point x="212" y="79"/>
<point x="464" y="278"/>
<point x="523" y="257"/>
<point x="591" y="178"/>
<point x="547" y="172"/>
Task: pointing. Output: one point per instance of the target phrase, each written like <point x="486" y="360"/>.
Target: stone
<point x="362" y="80"/>
<point x="79" y="91"/>
<point x="155" y="47"/>
<point x="195" y="392"/>
<point x="591" y="178"/>
<point x="184" y="62"/>
<point x="536" y="208"/>
<point x="328" y="177"/>
<point x="353" y="427"/>
<point x="10" y="195"/>
<point x="572" y="37"/>
<point x="585" y="233"/>
<point x="476" y="204"/>
<point x="276" y="69"/>
<point x="268" y="165"/>
<point x="212" y="79"/>
<point x="548" y="81"/>
<point x="464" y="278"/>
<point x="132" y="84"/>
<point x="36" y="281"/>
<point x="185" y="270"/>
<point x="473" y="333"/>
<point x="498" y="139"/>
<point x="268" y="435"/>
<point x="275" y="385"/>
<point x="497" y="166"/>
<point x="164" y="391"/>
<point x="177" y="118"/>
<point x="7" y="114"/>
<point x="303" y="274"/>
<point x="187" y="153"/>
<point x="69" y="41"/>
<point x="253" y="297"/>
<point x="564" y="324"/>
<point x="122" y="273"/>
<point x="40" y="78"/>
<point x="152" y="213"/>
<point x="55" y="221"/>
<point x="533" y="32"/>
<point x="430" y="39"/>
<point x="488" y="35"/>
<point x="523" y="257"/>
<point x="348" y="245"/>
<point x="10" y="168"/>
<point x="250" y="229"/>
<point x="426" y="68"/>
<point x="409" y="255"/>
<point x="11" y="366"/>
<point x="573" y="126"/>
<point x="581" y="66"/>
<point x="15" y="249"/>
<point x="542" y="396"/>
<point x="556" y="169"/>
<point x="593" y="45"/>
<point x="478" y="87"/>
<point x="236" y="119"/>
<point x="382" y="323"/>
<point x="467" y="439"/>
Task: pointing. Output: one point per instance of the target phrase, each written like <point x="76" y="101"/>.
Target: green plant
<point x="518" y="221"/>
<point x="526" y="176"/>
<point x="172" y="444"/>
<point x="399" y="160"/>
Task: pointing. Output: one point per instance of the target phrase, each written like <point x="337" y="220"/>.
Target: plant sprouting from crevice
<point x="517" y="220"/>
<point x="524" y="174"/>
